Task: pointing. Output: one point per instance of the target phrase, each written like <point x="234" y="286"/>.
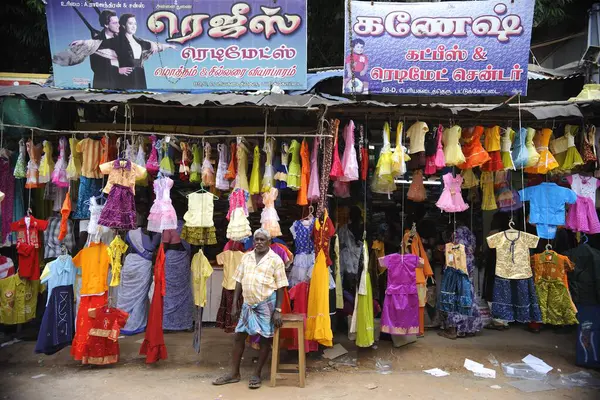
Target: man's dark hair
<point x="105" y="17"/>
<point x="357" y="41"/>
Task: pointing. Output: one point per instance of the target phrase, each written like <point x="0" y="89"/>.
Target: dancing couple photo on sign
<point x="116" y="55"/>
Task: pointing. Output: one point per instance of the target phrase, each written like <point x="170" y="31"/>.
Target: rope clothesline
<point x="174" y="134"/>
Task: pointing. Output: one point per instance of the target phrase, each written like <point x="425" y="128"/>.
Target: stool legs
<point x="275" y="357"/>
<point x="301" y="357"/>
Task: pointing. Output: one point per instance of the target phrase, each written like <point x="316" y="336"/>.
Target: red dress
<point x="153" y="346"/>
<point x="475" y="154"/>
<point x="299" y="294"/>
<point x="102" y="345"/>
<point x="337" y="171"/>
<point x="84" y="323"/>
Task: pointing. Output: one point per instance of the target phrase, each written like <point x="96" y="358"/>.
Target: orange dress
<point x="305" y="177"/>
<point x="475" y="154"/>
<point x="492" y="145"/>
<point x="546" y="162"/>
<point x="231" y="169"/>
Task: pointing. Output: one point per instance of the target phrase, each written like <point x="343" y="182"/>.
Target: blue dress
<point x="58" y="324"/>
<point x="304" y="258"/>
<point x="520" y="154"/>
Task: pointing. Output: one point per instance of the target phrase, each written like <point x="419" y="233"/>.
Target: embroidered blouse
<point x="512" y="253"/>
<point x="121" y="172"/>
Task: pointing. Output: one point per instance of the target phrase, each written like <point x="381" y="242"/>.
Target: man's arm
<point x="236" y="295"/>
<point x="276" y="314"/>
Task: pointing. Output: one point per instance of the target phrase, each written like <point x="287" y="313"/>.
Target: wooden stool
<point x="293" y="321"/>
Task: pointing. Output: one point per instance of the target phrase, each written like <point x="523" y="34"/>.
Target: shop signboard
<point x="178" y="44"/>
<point x="476" y="48"/>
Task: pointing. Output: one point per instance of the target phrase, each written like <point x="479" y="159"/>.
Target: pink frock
<point x="152" y="165"/>
<point x="349" y="160"/>
<point x="162" y="214"/>
<point x="451" y="199"/>
<point x="59" y="175"/>
<point x="582" y="216"/>
<point x="313" y="186"/>
<point x="337" y="171"/>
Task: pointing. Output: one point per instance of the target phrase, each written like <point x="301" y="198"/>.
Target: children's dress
<point x="241" y="180"/>
<point x="119" y="210"/>
<point x="74" y="166"/>
<point x="533" y="155"/>
<point x="304" y="257"/>
<point x="20" y="171"/>
<point x="452" y="151"/>
<point x="162" y="214"/>
<point x="281" y="176"/>
<point x="167" y="166"/>
<point x="293" y="179"/>
<point x="505" y="148"/>
<point x="238" y="228"/>
<point x="314" y="192"/>
<point x="451" y="199"/>
<point x="582" y="216"/>
<point x="208" y="172"/>
<point x="475" y="154"/>
<point x="268" y="180"/>
<point x="59" y="175"/>
<point x="222" y="183"/>
<point x="487" y="187"/>
<point x="152" y="165"/>
<point x="416" y="191"/>
<point x="269" y="219"/>
<point x="33" y="165"/>
<point x="46" y="164"/>
<point x="399" y="157"/>
<point x="337" y="170"/>
<point x="520" y="155"/>
<point x="383" y="177"/>
<point x="400" y="315"/>
<point x="302" y="199"/>
<point x="546" y="161"/>
<point x="492" y="146"/>
<point x="196" y="166"/>
<point x="349" y="159"/>
<point x="572" y="158"/>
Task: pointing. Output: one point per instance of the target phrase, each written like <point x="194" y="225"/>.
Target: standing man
<point x="261" y="280"/>
<point x="105" y="70"/>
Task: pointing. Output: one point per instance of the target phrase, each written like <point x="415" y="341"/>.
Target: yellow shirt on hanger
<point x="92" y="151"/>
<point x="416" y="134"/>
<point x="229" y="259"/>
<point x="201" y="271"/>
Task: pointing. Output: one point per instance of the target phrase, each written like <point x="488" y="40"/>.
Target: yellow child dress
<point x="46" y="164"/>
<point x="470" y="180"/>
<point x="572" y="158"/>
<point x="167" y="166"/>
<point x="294" y="169"/>
<point x="547" y="162"/>
<point x="196" y="166"/>
<point x="534" y="156"/>
<point x="505" y="148"/>
<point x="487" y="187"/>
<point x="255" y="175"/>
<point x="74" y="165"/>
<point x="383" y="178"/>
<point x="399" y="157"/>
<point x="115" y="251"/>
<point x="241" y="181"/>
<point x="452" y="150"/>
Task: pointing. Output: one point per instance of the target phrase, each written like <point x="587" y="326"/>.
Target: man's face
<point x="359" y="48"/>
<point x="113" y="25"/>
<point x="261" y="243"/>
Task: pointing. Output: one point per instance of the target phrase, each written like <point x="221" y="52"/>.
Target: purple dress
<point x="400" y="314"/>
<point x="473" y="323"/>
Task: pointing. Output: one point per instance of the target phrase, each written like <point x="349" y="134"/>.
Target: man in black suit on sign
<point x="105" y="71"/>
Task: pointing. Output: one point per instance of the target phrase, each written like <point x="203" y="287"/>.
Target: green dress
<point x="364" y="309"/>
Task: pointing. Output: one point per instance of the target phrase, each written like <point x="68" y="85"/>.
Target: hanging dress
<point x="140" y="159"/>
<point x="281" y="176"/>
<point x="470" y="180"/>
<point x="492" y="146"/>
<point x="572" y="158"/>
<point x="520" y="155"/>
<point x="162" y="214"/>
<point x="383" y="178"/>
<point x="184" y="164"/>
<point x="46" y="164"/>
<point x="238" y="228"/>
<point x="337" y="169"/>
<point x="241" y="181"/>
<point x="231" y="173"/>
<point x="74" y="166"/>
<point x="416" y="191"/>
<point x="349" y="159"/>
<point x="416" y="134"/>
<point x="505" y="148"/>
<point x="475" y="154"/>
<point x="364" y="321"/>
<point x="302" y="199"/>
<point x="152" y="164"/>
<point x="304" y="256"/>
<point x="313" y="187"/>
<point x="33" y="165"/>
<point x="222" y="183"/>
<point x="59" y="175"/>
<point x="399" y="157"/>
<point x="196" y="166"/>
<point x="453" y="154"/>
<point x="582" y="216"/>
<point x="487" y="187"/>
<point x="268" y="180"/>
<point x="451" y="199"/>
<point x="318" y="324"/>
<point x="208" y="172"/>
<point x="294" y="169"/>
<point x="440" y="158"/>
<point x="255" y="175"/>
<point x="20" y="171"/>
<point x="167" y="166"/>
<point x="269" y="219"/>
<point x="533" y="156"/>
<point x="546" y="161"/>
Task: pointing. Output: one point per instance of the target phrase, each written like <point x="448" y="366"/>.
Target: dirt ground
<point x="186" y="375"/>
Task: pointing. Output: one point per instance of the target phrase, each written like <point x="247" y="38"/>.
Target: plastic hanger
<point x="203" y="190"/>
<point x="584" y="238"/>
<point x="511" y="226"/>
<point x="310" y="213"/>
